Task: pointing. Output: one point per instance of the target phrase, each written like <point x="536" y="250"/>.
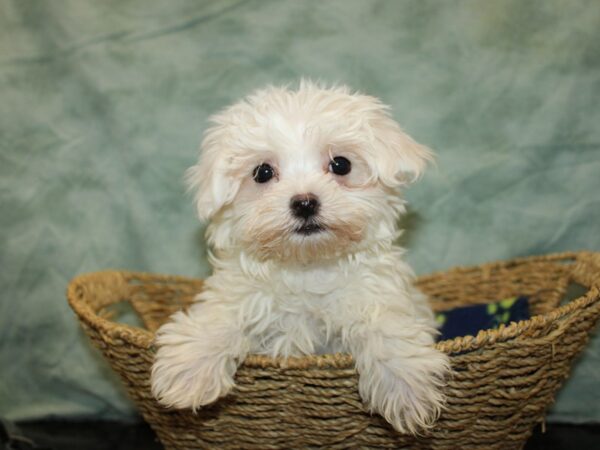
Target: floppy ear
<point x="211" y="178"/>
<point x="400" y="160"/>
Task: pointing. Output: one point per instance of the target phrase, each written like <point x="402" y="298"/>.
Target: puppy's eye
<point x="340" y="166"/>
<point x="263" y="173"/>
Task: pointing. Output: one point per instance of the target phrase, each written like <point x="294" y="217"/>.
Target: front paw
<point x="407" y="393"/>
<point x="186" y="375"/>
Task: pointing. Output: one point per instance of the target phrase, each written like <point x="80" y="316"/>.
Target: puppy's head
<point x="304" y="174"/>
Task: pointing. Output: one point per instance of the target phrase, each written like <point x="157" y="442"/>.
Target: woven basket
<point x="504" y="379"/>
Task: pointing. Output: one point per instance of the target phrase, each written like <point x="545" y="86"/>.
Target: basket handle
<point x="87" y="296"/>
<point x="586" y="270"/>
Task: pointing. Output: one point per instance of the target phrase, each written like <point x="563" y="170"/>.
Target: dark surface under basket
<point x="77" y="435"/>
<point x="503" y="381"/>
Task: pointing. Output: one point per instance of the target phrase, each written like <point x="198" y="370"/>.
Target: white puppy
<point x="301" y="188"/>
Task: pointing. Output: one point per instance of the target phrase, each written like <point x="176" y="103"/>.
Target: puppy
<point x="301" y="191"/>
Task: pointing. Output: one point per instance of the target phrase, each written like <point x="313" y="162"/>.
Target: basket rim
<point x="588" y="263"/>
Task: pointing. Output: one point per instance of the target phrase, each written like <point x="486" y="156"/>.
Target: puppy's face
<point x="303" y="175"/>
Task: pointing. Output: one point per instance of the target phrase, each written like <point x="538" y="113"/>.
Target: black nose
<point x="304" y="206"/>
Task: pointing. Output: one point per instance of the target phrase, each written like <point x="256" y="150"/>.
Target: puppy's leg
<point x="198" y="354"/>
<point x="400" y="373"/>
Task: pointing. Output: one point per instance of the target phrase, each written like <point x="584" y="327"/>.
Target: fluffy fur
<point x="277" y="292"/>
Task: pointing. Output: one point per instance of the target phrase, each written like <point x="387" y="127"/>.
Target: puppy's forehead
<point x="295" y="122"/>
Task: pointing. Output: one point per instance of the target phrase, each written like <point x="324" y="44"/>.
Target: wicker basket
<point x="504" y="379"/>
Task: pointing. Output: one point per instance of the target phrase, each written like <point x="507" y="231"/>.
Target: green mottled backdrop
<point x="102" y="104"/>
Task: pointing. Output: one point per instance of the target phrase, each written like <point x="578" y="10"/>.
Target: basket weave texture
<point x="503" y="379"/>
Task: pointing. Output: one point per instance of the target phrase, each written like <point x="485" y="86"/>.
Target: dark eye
<point x="340" y="166"/>
<point x="263" y="173"/>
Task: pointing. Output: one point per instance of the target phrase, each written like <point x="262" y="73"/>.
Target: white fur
<point x="276" y="292"/>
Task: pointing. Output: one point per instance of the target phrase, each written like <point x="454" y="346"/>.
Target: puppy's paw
<point x="407" y="392"/>
<point x="187" y="373"/>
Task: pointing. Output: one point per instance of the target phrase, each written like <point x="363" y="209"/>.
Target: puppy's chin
<point x="305" y="242"/>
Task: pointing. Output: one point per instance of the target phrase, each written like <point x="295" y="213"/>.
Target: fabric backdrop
<point x="102" y="105"/>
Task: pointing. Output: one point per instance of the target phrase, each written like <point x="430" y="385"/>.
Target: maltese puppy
<point x="301" y="191"/>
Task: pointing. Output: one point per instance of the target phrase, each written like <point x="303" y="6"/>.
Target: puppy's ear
<point x="400" y="160"/>
<point x="211" y="179"/>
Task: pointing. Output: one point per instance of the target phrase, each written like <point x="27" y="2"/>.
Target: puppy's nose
<point x="304" y="206"/>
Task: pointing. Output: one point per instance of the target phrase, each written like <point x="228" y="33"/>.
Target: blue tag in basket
<point x="469" y="320"/>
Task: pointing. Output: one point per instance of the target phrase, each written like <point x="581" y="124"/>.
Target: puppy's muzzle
<point x="304" y="206"/>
